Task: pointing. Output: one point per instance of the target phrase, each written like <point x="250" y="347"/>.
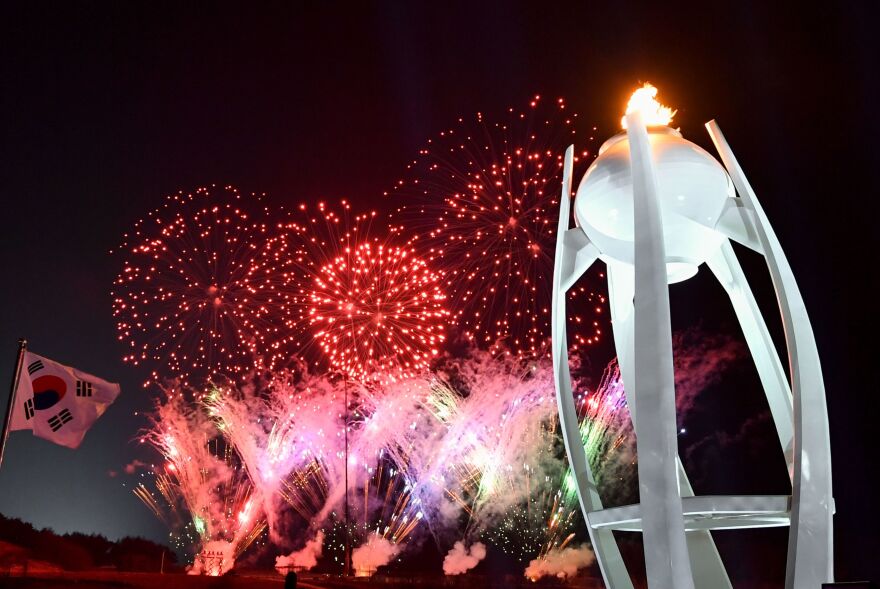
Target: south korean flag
<point x="58" y="403"/>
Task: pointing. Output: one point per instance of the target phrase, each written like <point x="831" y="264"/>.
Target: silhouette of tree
<point x="77" y="551"/>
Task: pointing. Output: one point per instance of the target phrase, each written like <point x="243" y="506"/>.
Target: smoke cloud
<point x="134" y="465"/>
<point x="461" y="559"/>
<point x="701" y="359"/>
<point x="561" y="563"/>
<point x="306" y="558"/>
<point x="368" y="557"/>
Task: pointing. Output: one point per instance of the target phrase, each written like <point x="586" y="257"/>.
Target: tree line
<point x="77" y="551"/>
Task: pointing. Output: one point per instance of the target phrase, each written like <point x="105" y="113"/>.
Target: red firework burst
<point x="374" y="308"/>
<point x="377" y="309"/>
<point x="191" y="301"/>
<point x="484" y="198"/>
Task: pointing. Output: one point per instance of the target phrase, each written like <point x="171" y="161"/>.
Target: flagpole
<point x="347" y="566"/>
<point x="22" y="346"/>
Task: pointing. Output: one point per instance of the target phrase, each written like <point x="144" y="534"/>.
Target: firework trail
<point x="361" y="297"/>
<point x="457" y="453"/>
<point x="469" y="452"/>
<point x="382" y="504"/>
<point x="513" y="480"/>
<point x="554" y="515"/>
<point x="201" y="485"/>
<point x="424" y="454"/>
<point x="290" y="439"/>
<point x="481" y="201"/>
<point x="471" y="444"/>
<point x="192" y="300"/>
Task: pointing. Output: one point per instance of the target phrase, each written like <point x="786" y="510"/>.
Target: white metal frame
<point x="679" y="550"/>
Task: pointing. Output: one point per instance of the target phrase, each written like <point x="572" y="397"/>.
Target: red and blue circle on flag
<point x="48" y="391"/>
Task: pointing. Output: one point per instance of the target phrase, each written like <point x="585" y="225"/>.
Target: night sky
<point x="107" y="108"/>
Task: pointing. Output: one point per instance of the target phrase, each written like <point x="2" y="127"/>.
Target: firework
<point x="482" y="200"/>
<point x="192" y="300"/>
<point x="201" y="486"/>
<point x="507" y="478"/>
<point x="469" y="452"/>
<point x="372" y="308"/>
<point x="289" y="437"/>
<point x="606" y="432"/>
<point x="470" y="444"/>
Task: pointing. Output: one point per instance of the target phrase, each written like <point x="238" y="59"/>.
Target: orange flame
<point x="644" y="100"/>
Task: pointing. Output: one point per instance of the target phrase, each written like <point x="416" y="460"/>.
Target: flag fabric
<point x="58" y="403"/>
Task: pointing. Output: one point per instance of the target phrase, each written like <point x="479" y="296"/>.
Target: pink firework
<point x="373" y="307"/>
<point x="482" y="199"/>
<point x="201" y="486"/>
<point x="192" y="300"/>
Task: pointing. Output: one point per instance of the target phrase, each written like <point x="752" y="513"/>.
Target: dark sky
<point x="106" y="108"/>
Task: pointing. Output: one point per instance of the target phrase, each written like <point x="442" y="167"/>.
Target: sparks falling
<point x="482" y="198"/>
<point x="362" y="297"/>
<point x="200" y="487"/>
<point x="186" y="302"/>
<point x="469" y="452"/>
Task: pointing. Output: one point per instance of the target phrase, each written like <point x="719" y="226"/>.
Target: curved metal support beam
<point x="610" y="561"/>
<point x="706" y="564"/>
<point x="706" y="512"/>
<point x="737" y="222"/>
<point x="810" y="541"/>
<point x="708" y="524"/>
<point x="621" y="293"/>
<point x="578" y="254"/>
<point x="666" y="557"/>
<point x="725" y="265"/>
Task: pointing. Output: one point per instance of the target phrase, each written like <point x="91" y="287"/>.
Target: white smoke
<point x="368" y="557"/>
<point x="461" y="559"/>
<point x="561" y="563"/>
<point x="304" y="559"/>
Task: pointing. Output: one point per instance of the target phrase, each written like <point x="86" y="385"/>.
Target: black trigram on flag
<point x="34" y="366"/>
<point x="28" y="408"/>
<point x="57" y="422"/>
<point x="83" y="388"/>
